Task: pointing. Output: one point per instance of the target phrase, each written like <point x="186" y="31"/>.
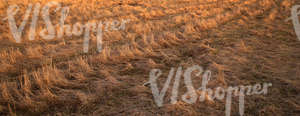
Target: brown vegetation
<point x="241" y="41"/>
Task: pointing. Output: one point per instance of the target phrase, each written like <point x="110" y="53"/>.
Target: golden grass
<point x="241" y="41"/>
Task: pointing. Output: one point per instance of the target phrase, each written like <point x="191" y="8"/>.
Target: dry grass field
<point x="242" y="42"/>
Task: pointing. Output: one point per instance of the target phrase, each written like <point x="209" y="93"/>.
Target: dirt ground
<point x="242" y="42"/>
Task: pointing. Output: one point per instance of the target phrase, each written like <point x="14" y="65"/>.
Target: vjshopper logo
<point x="295" y="19"/>
<point x="191" y="96"/>
<point x="50" y="33"/>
